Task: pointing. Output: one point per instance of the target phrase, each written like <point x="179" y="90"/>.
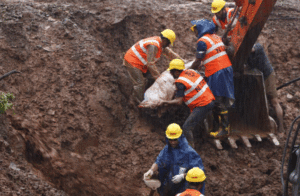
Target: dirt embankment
<point x="73" y="125"/>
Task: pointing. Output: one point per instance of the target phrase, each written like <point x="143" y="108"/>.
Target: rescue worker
<point x="194" y="92"/>
<point x="140" y="59"/>
<point x="173" y="162"/>
<point x="218" y="71"/>
<point x="196" y="179"/>
<point x="223" y="15"/>
<point x="259" y="60"/>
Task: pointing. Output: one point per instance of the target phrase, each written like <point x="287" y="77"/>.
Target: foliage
<point x="4" y="101"/>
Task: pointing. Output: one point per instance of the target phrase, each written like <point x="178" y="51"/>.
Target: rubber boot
<point x="224" y="124"/>
<point x="216" y="122"/>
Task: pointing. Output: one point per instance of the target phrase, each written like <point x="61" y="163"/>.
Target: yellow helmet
<point x="173" y="131"/>
<point x="176" y="64"/>
<point x="170" y="35"/>
<point x="195" y="175"/>
<point x="217" y="5"/>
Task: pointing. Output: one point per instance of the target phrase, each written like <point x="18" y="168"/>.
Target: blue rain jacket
<point x="221" y="83"/>
<point x="169" y="162"/>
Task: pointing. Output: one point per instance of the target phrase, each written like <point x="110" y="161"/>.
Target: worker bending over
<point x="218" y="70"/>
<point x="173" y="162"/>
<point x="259" y="60"/>
<point x="140" y="59"/>
<point x="222" y="15"/>
<point x="196" y="179"/>
<point x="194" y="92"/>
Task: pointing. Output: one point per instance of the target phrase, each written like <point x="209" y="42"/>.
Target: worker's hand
<point x="148" y="174"/>
<point x="178" y="178"/>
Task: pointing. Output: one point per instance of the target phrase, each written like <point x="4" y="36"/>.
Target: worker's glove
<point x="178" y="178"/>
<point x="148" y="174"/>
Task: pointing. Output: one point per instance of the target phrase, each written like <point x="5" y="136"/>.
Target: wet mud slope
<point x="73" y="129"/>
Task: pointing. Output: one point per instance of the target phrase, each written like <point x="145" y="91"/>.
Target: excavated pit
<point x="72" y="130"/>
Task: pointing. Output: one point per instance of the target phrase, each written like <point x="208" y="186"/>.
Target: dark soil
<point x="72" y="130"/>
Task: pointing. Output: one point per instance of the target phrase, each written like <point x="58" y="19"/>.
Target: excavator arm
<point x="252" y="18"/>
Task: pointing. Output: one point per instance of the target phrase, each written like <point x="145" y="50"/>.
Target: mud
<point x="73" y="129"/>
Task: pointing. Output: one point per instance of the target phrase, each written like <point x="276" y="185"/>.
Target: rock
<point x="289" y="97"/>
<point x="297" y="95"/>
<point x="48" y="49"/>
<point x="13" y="166"/>
<point x="51" y="112"/>
<point x="51" y="19"/>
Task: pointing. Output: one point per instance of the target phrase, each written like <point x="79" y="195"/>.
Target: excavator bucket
<point x="249" y="116"/>
<point x="250" y="112"/>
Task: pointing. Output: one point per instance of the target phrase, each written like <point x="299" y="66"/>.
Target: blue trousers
<point x="197" y="116"/>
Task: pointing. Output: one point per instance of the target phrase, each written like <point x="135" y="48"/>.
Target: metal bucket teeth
<point x="273" y="138"/>
<point x="257" y="137"/>
<point x="232" y="142"/>
<point x="218" y="144"/>
<point x="246" y="141"/>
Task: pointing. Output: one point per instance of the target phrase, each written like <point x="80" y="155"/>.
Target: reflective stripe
<point x="208" y="39"/>
<point x="194" y="85"/>
<point x="197" y="95"/>
<point x="141" y="43"/>
<point x="218" y="22"/>
<point x="186" y="80"/>
<point x="201" y="195"/>
<point x="214" y="47"/>
<point x="228" y="14"/>
<point x="142" y="46"/>
<point x="138" y="55"/>
<point x="214" y="57"/>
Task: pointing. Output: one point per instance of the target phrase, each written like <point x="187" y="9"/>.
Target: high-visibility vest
<point x="137" y="54"/>
<point x="220" y="23"/>
<point x="216" y="57"/>
<point x="190" y="192"/>
<point x="197" y="92"/>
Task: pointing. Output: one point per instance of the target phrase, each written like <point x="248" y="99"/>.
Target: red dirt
<point x="72" y="130"/>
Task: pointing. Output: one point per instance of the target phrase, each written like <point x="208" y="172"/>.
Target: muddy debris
<point x="72" y="130"/>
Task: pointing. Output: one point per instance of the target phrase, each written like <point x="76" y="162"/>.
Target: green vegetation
<point x="4" y="101"/>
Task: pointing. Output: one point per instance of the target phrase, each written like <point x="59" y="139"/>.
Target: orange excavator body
<point x="252" y="18"/>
